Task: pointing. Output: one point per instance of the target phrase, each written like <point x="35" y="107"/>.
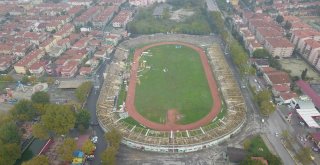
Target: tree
<point x="83" y="90"/>
<point x="246" y="144"/>
<point x="267" y="108"/>
<point x="287" y="25"/>
<point x="263" y="95"/>
<point x="88" y="147"/>
<point x="40" y="108"/>
<point x="59" y="119"/>
<point x="9" y="133"/>
<point x="50" y="80"/>
<point x="40" y="97"/>
<point x="108" y="156"/>
<point x="9" y="153"/>
<point x="83" y="119"/>
<point x="261" y="53"/>
<point x="279" y="19"/>
<point x="113" y="137"/>
<point x="39" y="131"/>
<point x="285" y="134"/>
<point x="304" y="155"/>
<point x="38" y="160"/>
<point x="25" y="80"/>
<point x="67" y="148"/>
<point x="304" y="74"/>
<point x="23" y="111"/>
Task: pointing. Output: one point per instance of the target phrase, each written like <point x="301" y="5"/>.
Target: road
<point x="273" y="124"/>
<point x="91" y="106"/>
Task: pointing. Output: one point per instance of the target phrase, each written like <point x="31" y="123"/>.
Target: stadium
<point x="171" y="93"/>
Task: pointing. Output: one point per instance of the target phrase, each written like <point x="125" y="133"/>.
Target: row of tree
<point x="238" y="53"/>
<point x="113" y="138"/>
<point x="83" y="90"/>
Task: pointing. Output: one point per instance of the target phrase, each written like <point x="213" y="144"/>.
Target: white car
<point x="94" y="139"/>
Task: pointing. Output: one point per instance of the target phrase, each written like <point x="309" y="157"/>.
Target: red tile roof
<point x="267" y="69"/>
<point x="281" y="88"/>
<point x="279" y="77"/>
<point x="306" y="89"/>
<point x="288" y="95"/>
<point x="279" y="42"/>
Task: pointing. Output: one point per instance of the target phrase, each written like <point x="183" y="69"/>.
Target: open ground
<point x="296" y="67"/>
<point x="171" y="125"/>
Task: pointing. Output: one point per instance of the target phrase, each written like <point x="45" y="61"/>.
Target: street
<point x="91" y="106"/>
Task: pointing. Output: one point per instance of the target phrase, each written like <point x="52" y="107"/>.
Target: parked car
<point x="94" y="139"/>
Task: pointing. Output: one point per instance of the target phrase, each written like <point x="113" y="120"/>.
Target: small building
<point x="84" y="71"/>
<point x="279" y="47"/>
<point x="277" y="77"/>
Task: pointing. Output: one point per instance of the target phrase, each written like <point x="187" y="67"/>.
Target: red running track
<point x="169" y="126"/>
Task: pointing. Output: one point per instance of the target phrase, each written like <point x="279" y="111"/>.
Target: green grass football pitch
<point x="175" y="80"/>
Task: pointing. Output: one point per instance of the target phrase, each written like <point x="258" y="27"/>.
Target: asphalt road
<point x="273" y="124"/>
<point x="91" y="106"/>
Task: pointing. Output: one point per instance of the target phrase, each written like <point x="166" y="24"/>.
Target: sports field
<point x="172" y="78"/>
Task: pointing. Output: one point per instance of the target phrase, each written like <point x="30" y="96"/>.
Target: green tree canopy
<point x="39" y="131"/>
<point x="67" y="148"/>
<point x="23" y="111"/>
<point x="108" y="156"/>
<point x="264" y="95"/>
<point x="83" y="118"/>
<point x="9" y="133"/>
<point x="38" y="160"/>
<point x="267" y="108"/>
<point x="40" y="97"/>
<point x="9" y="153"/>
<point x="88" y="147"/>
<point x="6" y="78"/>
<point x="83" y="90"/>
<point x="304" y="155"/>
<point x="261" y="53"/>
<point x="304" y="74"/>
<point x="113" y="137"/>
<point x="59" y="119"/>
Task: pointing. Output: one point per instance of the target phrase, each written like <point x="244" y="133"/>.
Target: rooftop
<point x="307" y="90"/>
<point x="279" y="42"/>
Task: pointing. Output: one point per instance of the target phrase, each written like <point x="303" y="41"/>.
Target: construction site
<point x="143" y="138"/>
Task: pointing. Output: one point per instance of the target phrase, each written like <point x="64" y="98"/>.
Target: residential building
<point x="6" y="62"/>
<point x="69" y="68"/>
<point x="277" y="78"/>
<point x="279" y="47"/>
<point x="23" y="65"/>
<point x="121" y="20"/>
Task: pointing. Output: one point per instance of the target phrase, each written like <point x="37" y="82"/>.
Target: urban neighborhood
<point x="179" y="82"/>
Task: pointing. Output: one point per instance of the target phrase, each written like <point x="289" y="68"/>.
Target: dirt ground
<point x="297" y="66"/>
